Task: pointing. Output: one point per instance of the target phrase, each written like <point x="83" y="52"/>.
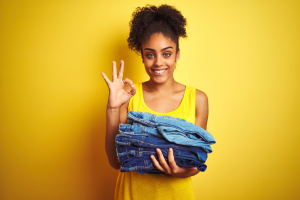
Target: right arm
<point x="116" y="111"/>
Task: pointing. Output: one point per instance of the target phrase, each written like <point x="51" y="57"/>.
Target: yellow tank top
<point x="135" y="186"/>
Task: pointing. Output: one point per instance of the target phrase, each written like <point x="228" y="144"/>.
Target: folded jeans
<point x="143" y="140"/>
<point x="134" y="151"/>
<point x="168" y="133"/>
<point x="141" y="161"/>
<point x="171" y="124"/>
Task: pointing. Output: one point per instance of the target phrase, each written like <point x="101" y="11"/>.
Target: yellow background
<point x="243" y="54"/>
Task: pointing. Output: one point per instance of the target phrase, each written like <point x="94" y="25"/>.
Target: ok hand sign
<point x="117" y="95"/>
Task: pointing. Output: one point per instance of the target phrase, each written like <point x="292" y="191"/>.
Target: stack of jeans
<point x="145" y="132"/>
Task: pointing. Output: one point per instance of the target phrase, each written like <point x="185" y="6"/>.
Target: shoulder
<point x="201" y="97"/>
<point x="201" y="101"/>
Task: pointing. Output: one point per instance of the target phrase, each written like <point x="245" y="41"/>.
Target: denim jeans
<point x="145" y="132"/>
<point x="134" y="150"/>
<point x="163" y="132"/>
<point x="139" y="160"/>
<point x="173" y="129"/>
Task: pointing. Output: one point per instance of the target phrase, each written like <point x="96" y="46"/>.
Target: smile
<point x="159" y="72"/>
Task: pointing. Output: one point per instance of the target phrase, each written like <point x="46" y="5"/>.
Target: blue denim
<point x="145" y="132"/>
<point x="139" y="160"/>
<point x="134" y="150"/>
<point x="164" y="132"/>
<point x="144" y="140"/>
<point x="186" y="133"/>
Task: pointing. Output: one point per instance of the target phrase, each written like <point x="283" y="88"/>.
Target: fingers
<point x="132" y="91"/>
<point x="172" y="163"/>
<point x="163" y="162"/>
<point x="114" y="73"/>
<point x="156" y="163"/>
<point x="127" y="80"/>
<point x="121" y="70"/>
<point x="105" y="78"/>
<point x="172" y="168"/>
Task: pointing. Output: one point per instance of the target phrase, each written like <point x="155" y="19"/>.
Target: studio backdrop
<point x="243" y="54"/>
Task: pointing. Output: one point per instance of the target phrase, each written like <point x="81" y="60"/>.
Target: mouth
<point x="159" y="72"/>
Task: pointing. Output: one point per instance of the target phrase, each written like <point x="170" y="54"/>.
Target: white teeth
<point x="160" y="71"/>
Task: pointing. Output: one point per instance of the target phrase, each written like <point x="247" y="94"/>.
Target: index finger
<point x="121" y="70"/>
<point x="156" y="164"/>
<point x="105" y="78"/>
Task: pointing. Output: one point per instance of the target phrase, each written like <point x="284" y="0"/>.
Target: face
<point x="159" y="57"/>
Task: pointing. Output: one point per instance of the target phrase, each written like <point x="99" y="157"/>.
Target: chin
<point x="159" y="80"/>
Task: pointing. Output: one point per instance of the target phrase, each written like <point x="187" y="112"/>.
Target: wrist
<point x="112" y="109"/>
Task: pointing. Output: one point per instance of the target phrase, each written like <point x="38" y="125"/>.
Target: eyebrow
<point x="161" y="50"/>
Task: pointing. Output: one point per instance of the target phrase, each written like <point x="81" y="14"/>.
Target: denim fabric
<point x="186" y="132"/>
<point x="163" y="132"/>
<point x="134" y="151"/>
<point x="143" y="140"/>
<point x="139" y="128"/>
<point x="138" y="158"/>
<point x="145" y="132"/>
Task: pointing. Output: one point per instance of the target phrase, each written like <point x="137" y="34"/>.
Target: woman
<point x="154" y="33"/>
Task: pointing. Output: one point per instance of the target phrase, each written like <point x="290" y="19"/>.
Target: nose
<point x="158" y="61"/>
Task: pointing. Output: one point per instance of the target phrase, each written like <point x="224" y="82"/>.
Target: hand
<point x="117" y="95"/>
<point x="172" y="168"/>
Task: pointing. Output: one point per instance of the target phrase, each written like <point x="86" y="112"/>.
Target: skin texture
<point x="161" y="94"/>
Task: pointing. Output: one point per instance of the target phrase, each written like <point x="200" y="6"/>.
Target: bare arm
<point x="201" y="109"/>
<point x="112" y="126"/>
<point x="115" y="111"/>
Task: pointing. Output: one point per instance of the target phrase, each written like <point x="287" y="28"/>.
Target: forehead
<point x="158" y="41"/>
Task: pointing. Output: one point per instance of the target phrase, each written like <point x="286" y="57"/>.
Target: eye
<point x="150" y="55"/>
<point x="167" y="54"/>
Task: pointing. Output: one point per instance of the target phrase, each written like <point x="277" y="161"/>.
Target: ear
<point x="178" y="54"/>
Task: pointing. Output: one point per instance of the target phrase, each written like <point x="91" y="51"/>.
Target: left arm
<point x="201" y="109"/>
<point x="173" y="168"/>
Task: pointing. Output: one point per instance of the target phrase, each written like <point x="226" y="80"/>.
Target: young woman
<point x="154" y="33"/>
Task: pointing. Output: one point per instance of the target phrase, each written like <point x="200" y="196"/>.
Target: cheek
<point x="171" y="63"/>
<point x="147" y="64"/>
<point x="147" y="67"/>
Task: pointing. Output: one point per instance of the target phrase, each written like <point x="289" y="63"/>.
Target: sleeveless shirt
<point x="135" y="186"/>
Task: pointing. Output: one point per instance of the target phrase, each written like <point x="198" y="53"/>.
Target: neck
<point x="164" y="87"/>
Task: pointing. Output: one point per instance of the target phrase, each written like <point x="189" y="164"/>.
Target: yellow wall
<point x="243" y="54"/>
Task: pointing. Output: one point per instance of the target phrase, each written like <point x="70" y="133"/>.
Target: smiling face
<point x="159" y="56"/>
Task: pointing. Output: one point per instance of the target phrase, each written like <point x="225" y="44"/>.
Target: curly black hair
<point x="150" y="19"/>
